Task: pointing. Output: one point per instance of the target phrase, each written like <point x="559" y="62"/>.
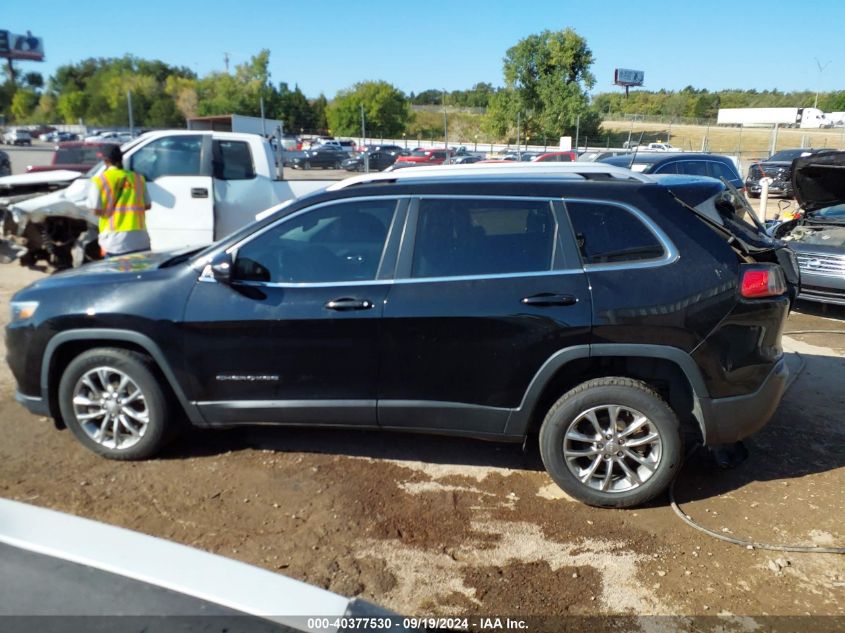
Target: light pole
<point x="445" y="123"/>
<point x="821" y="70"/>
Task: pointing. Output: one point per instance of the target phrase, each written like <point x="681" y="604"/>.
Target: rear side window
<point x="232" y="160"/>
<point x="607" y="233"/>
<point x="720" y="170"/>
<point x="693" y="167"/>
<point x="669" y="168"/>
<point x="483" y="237"/>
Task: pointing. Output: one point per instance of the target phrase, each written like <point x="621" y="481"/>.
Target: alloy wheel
<point x="110" y="408"/>
<point x="612" y="448"/>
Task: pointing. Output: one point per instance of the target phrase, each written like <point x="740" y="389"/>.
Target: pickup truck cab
<point x="203" y="186"/>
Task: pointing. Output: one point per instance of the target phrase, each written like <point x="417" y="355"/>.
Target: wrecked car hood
<point x="69" y="202"/>
<point x="56" y="176"/>
<point x="810" y="235"/>
<point x="819" y="180"/>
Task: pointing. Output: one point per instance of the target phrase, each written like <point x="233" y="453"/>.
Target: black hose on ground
<point x="807" y="549"/>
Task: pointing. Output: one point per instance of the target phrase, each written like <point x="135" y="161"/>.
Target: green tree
<point x="386" y="110"/>
<point x="23" y="104"/>
<point x="547" y="77"/>
<point x="294" y="109"/>
<point x="319" y="106"/>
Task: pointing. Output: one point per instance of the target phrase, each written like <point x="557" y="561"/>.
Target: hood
<point x="70" y="202"/>
<point x="80" y="167"/>
<point x="110" y="270"/>
<point x="39" y="178"/>
<point x="819" y="180"/>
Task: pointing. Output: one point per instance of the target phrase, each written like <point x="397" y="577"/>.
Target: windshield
<point x="419" y="152"/>
<point x="82" y="155"/>
<point x="836" y="213"/>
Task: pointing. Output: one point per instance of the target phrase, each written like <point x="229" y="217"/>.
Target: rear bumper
<point x="731" y="419"/>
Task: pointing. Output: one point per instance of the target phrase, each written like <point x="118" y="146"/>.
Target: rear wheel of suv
<point x="113" y="403"/>
<point x="611" y="442"/>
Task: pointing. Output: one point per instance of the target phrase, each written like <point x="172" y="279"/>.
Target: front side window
<point x="483" y="237"/>
<point x="335" y="243"/>
<point x="169" y="156"/>
<point x="607" y="233"/>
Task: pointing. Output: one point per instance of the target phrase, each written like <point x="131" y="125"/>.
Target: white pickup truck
<point x="203" y="186"/>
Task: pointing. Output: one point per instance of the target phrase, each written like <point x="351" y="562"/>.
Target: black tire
<point x="139" y="369"/>
<point x="753" y="195"/>
<point x="595" y="395"/>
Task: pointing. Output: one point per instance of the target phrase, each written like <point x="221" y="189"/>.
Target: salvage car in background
<point x="75" y="156"/>
<point x="422" y="156"/>
<point x="688" y="164"/>
<point x="778" y="167"/>
<point x="17" y="137"/>
<point x="377" y="161"/>
<point x="818" y="236"/>
<point x="328" y="156"/>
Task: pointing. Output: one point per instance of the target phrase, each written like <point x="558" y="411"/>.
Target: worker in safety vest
<point x="119" y="197"/>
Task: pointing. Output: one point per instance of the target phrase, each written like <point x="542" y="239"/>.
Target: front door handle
<point x="199" y="192"/>
<point x="549" y="299"/>
<point x="345" y="304"/>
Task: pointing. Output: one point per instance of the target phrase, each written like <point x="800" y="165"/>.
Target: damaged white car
<point x="203" y="186"/>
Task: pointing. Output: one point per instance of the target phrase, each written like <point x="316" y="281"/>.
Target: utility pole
<point x="445" y="123"/>
<point x="518" y="141"/>
<point x="226" y="61"/>
<point x="363" y="139"/>
<point x="263" y="122"/>
<point x="129" y="107"/>
<point x="821" y="70"/>
<point x="577" y="131"/>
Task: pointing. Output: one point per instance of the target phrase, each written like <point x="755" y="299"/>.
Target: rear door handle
<point x="199" y="192"/>
<point x="549" y="299"/>
<point x="346" y="304"/>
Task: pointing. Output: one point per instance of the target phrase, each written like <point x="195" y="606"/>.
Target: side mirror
<point x="219" y="269"/>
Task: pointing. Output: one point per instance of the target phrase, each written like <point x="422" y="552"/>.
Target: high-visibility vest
<point x="122" y="196"/>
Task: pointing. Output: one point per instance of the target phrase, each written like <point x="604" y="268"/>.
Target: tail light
<point x="761" y="280"/>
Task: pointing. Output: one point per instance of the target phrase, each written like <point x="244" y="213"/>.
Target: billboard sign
<point x="16" y="46"/>
<point x="627" y="77"/>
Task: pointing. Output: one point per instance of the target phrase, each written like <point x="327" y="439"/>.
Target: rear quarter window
<point x="608" y="233"/>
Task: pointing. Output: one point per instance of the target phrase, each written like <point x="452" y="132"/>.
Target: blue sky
<point x="327" y="45"/>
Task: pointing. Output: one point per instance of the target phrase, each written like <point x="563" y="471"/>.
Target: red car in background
<point x="421" y="157"/>
<point x="74" y="156"/>
<point x="556" y="157"/>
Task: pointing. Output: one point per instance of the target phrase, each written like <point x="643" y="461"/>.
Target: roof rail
<point x="478" y="171"/>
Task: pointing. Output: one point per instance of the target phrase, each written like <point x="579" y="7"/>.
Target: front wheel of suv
<point x="611" y="442"/>
<point x="113" y="403"/>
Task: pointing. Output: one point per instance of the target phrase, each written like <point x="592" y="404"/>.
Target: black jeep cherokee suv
<point x="611" y="312"/>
